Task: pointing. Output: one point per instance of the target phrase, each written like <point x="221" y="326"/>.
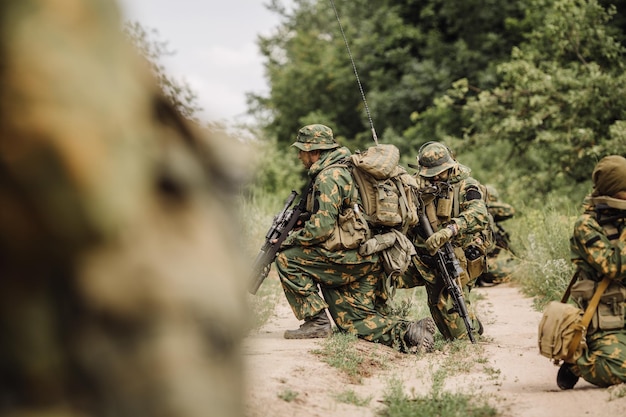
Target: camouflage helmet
<point x="434" y="158"/>
<point x="313" y="137"/>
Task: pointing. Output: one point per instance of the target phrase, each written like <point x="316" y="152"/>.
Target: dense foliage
<point x="530" y="94"/>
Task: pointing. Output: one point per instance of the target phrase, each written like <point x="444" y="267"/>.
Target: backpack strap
<point x="456" y="209"/>
<point x="404" y="204"/>
<point x="584" y="322"/>
<point x="569" y="286"/>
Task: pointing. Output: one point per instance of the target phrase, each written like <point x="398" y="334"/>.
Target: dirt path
<point x="517" y="380"/>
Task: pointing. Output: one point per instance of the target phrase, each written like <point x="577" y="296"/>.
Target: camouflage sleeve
<point x="473" y="216"/>
<point x="590" y="244"/>
<point x="331" y="189"/>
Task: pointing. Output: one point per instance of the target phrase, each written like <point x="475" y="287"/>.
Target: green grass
<point x="617" y="391"/>
<point x="351" y="397"/>
<point x="288" y="395"/>
<point x="438" y="403"/>
<point x="339" y="351"/>
<point x="541" y="240"/>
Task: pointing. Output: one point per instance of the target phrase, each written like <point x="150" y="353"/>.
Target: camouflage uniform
<point x="472" y="219"/>
<point x="501" y="261"/>
<point x="350" y="284"/>
<point x="600" y="251"/>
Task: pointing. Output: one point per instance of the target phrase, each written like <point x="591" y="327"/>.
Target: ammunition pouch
<point x="396" y="252"/>
<point x="476" y="261"/>
<point x="350" y="231"/>
<point x="609" y="314"/>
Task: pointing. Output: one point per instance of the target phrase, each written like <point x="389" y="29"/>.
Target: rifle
<point x="283" y="223"/>
<point x="502" y="237"/>
<point x="450" y="270"/>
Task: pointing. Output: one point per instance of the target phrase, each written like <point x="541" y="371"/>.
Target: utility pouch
<point x="609" y="314"/>
<point x="611" y="307"/>
<point x="558" y="326"/>
<point x="350" y="231"/>
<point x="396" y="252"/>
<point x="444" y="208"/>
<point x="476" y="261"/>
<point x="464" y="277"/>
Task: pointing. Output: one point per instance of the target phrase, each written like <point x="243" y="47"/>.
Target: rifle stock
<point x="450" y="270"/>
<point x="283" y="223"/>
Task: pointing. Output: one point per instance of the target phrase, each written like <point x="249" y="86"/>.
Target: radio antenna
<point x="358" y="80"/>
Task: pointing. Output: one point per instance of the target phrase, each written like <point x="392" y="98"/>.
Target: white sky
<point x="214" y="45"/>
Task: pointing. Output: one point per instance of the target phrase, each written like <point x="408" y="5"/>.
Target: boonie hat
<point x="433" y="159"/>
<point x="312" y="137"/>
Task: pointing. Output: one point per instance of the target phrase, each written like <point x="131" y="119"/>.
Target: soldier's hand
<point x="438" y="239"/>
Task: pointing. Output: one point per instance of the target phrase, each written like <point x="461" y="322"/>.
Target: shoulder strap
<point x="455" y="200"/>
<point x="591" y="309"/>
<point x="569" y="287"/>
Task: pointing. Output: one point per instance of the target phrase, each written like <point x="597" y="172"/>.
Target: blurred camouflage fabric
<point x="501" y="261"/>
<point x="119" y="295"/>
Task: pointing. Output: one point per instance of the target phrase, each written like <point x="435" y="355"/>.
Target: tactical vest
<point x="610" y="312"/>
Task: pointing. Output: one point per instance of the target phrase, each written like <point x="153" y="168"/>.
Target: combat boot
<point x="317" y="326"/>
<point x="565" y="378"/>
<point x="421" y="335"/>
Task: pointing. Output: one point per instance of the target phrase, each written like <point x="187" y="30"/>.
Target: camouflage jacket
<point x="333" y="190"/>
<point x="593" y="252"/>
<point x="473" y="216"/>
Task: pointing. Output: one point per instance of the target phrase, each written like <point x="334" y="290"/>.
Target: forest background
<point x="529" y="94"/>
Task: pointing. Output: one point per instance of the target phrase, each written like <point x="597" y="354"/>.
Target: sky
<point x="214" y="45"/>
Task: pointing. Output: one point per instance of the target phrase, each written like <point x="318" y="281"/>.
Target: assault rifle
<point x="450" y="270"/>
<point x="283" y="223"/>
<point x="503" y="240"/>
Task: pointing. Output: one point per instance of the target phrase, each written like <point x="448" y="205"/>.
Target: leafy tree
<point x="184" y="99"/>
<point x="406" y="52"/>
<point x="559" y="106"/>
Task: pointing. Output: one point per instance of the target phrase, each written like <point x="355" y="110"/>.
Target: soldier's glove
<point x="439" y="238"/>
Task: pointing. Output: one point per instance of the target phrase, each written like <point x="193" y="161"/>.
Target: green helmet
<point x="313" y="137"/>
<point x="434" y="158"/>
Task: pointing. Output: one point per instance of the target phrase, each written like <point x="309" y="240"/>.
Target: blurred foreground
<point x="118" y="293"/>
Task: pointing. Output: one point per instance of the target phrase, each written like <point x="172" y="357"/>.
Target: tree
<point x="559" y="105"/>
<point x="406" y="53"/>
<point x="184" y="99"/>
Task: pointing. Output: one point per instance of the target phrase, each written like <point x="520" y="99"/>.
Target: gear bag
<point x="563" y="327"/>
<point x="558" y="326"/>
<point x="387" y="190"/>
<point x="396" y="251"/>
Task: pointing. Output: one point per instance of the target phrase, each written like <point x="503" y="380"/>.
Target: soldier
<point x="314" y="259"/>
<point x="501" y="261"/>
<point x="453" y="203"/>
<point x="598" y="247"/>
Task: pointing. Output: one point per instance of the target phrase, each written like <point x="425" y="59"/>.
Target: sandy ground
<point x="509" y="371"/>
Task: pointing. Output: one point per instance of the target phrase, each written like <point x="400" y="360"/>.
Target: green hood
<point x="329" y="158"/>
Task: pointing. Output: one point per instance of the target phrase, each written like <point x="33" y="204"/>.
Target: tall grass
<point x="540" y="238"/>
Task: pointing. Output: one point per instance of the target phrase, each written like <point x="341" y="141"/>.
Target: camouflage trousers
<point x="350" y="287"/>
<point x="440" y="303"/>
<point x="603" y="363"/>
